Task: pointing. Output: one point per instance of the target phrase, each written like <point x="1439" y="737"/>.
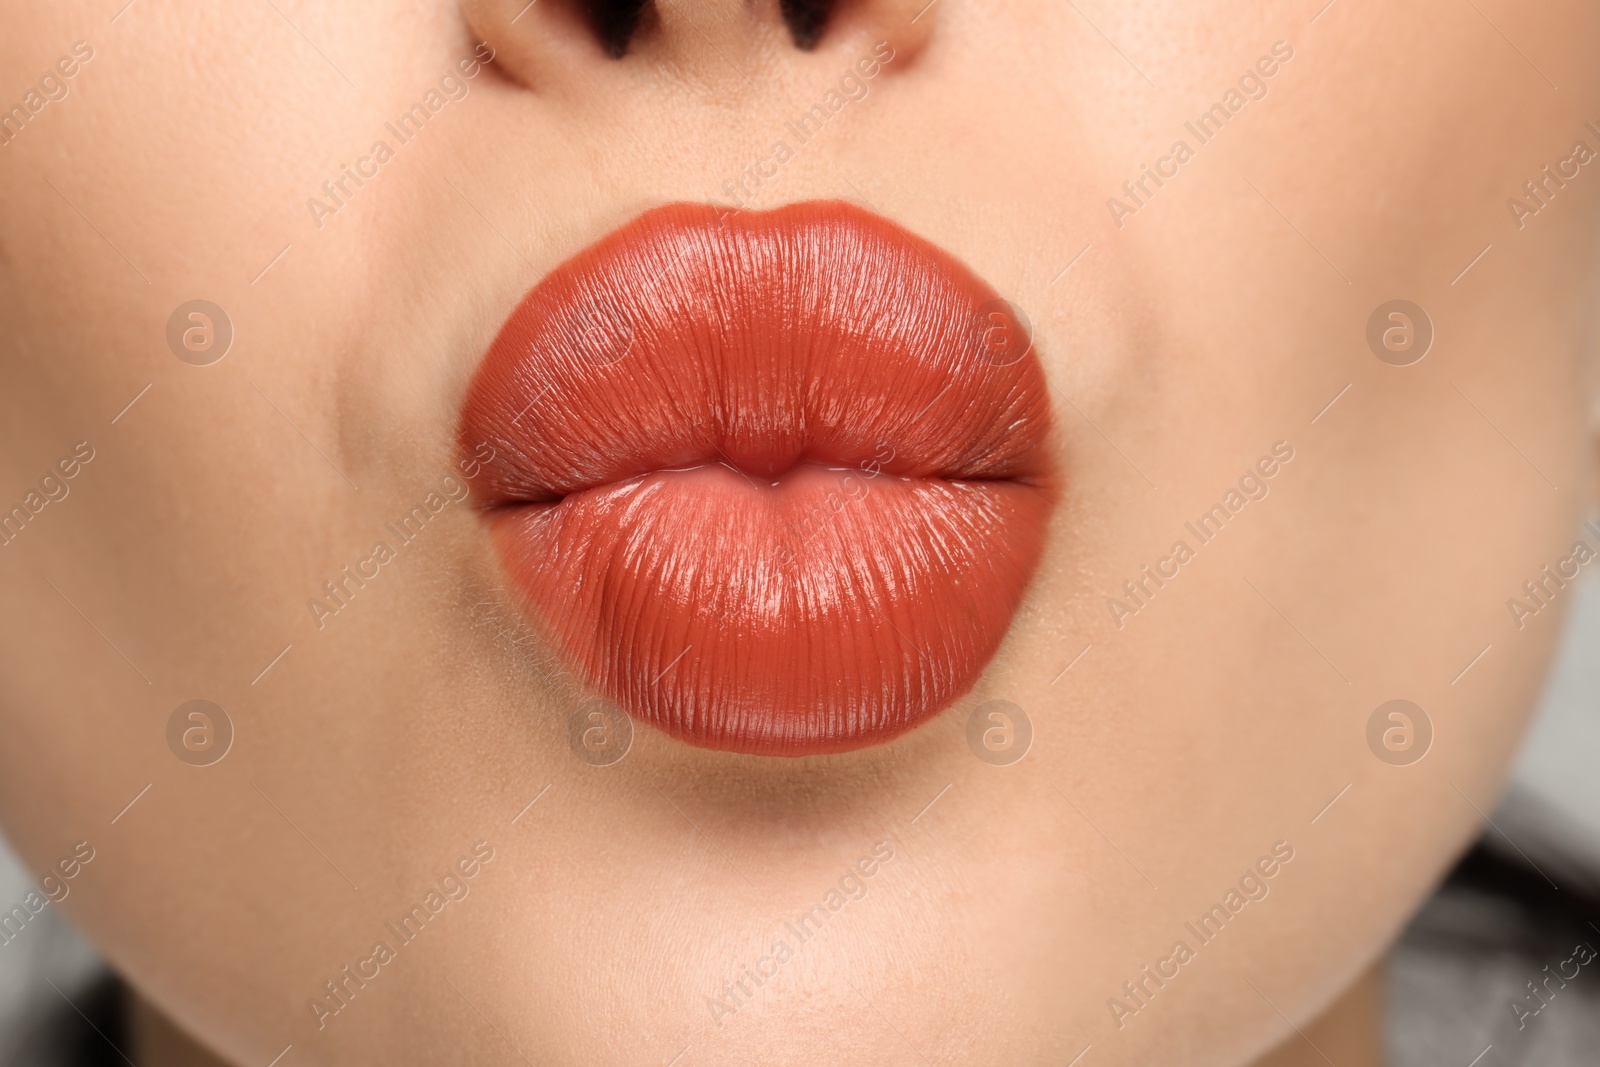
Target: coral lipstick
<point x="774" y="482"/>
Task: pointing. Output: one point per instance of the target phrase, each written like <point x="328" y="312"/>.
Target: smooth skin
<point x="1170" y="752"/>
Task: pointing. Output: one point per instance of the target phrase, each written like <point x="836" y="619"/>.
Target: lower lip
<point x="773" y="482"/>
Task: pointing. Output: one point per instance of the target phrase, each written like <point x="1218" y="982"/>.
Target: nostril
<point x="551" y="46"/>
<point x="806" y="20"/>
<point x="615" y="22"/>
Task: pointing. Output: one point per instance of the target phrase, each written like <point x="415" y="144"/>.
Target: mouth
<point x="774" y="482"/>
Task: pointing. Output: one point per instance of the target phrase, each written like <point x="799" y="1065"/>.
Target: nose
<point x="545" y="44"/>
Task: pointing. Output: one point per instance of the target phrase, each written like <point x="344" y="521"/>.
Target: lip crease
<point x="774" y="482"/>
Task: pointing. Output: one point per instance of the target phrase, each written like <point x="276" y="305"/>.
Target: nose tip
<point x="545" y="44"/>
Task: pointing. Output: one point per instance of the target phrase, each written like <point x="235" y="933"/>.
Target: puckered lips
<point x="775" y="481"/>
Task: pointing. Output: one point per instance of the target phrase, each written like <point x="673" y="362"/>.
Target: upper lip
<point x="593" y="323"/>
<point x="812" y="337"/>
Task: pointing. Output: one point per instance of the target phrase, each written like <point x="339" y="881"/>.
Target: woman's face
<point x="1225" y="369"/>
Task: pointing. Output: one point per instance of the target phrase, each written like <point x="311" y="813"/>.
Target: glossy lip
<point x="774" y="482"/>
